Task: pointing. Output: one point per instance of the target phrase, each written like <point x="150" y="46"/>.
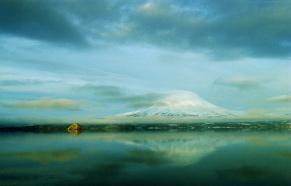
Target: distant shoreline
<point x="203" y="126"/>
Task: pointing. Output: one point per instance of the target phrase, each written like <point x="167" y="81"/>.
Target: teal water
<point x="146" y="158"/>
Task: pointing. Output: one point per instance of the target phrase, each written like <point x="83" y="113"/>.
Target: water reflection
<point x="45" y="156"/>
<point x="169" y="158"/>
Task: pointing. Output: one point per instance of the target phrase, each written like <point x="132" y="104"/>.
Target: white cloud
<point x="44" y="103"/>
<point x="281" y="99"/>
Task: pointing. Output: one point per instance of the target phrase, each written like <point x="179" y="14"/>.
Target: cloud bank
<point x="116" y="94"/>
<point x="44" y="103"/>
<point x="240" y="83"/>
<point x="227" y="29"/>
<point x="38" y="20"/>
<point x="281" y="99"/>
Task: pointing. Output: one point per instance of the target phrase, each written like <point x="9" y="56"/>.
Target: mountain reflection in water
<point x="146" y="158"/>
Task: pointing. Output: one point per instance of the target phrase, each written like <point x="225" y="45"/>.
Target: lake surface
<point x="146" y="158"/>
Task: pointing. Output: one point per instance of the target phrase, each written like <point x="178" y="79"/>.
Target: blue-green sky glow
<point x="79" y="60"/>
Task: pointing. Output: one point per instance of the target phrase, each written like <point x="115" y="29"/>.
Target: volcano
<point x="182" y="104"/>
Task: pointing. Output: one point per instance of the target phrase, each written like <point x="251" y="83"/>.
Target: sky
<point x="63" y="61"/>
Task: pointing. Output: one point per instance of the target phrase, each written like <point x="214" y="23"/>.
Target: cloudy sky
<point x="81" y="60"/>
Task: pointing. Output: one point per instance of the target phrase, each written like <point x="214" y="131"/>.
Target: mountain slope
<point x="182" y="104"/>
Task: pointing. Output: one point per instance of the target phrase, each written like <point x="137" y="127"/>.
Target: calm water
<point x="149" y="158"/>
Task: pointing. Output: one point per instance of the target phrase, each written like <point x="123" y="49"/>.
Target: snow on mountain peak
<point x="182" y="104"/>
<point x="185" y="99"/>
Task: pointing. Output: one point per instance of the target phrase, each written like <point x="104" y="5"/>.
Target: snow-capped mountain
<point x="183" y="104"/>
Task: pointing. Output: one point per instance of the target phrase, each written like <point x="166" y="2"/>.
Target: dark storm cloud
<point x="37" y="20"/>
<point x="89" y="11"/>
<point x="222" y="29"/>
